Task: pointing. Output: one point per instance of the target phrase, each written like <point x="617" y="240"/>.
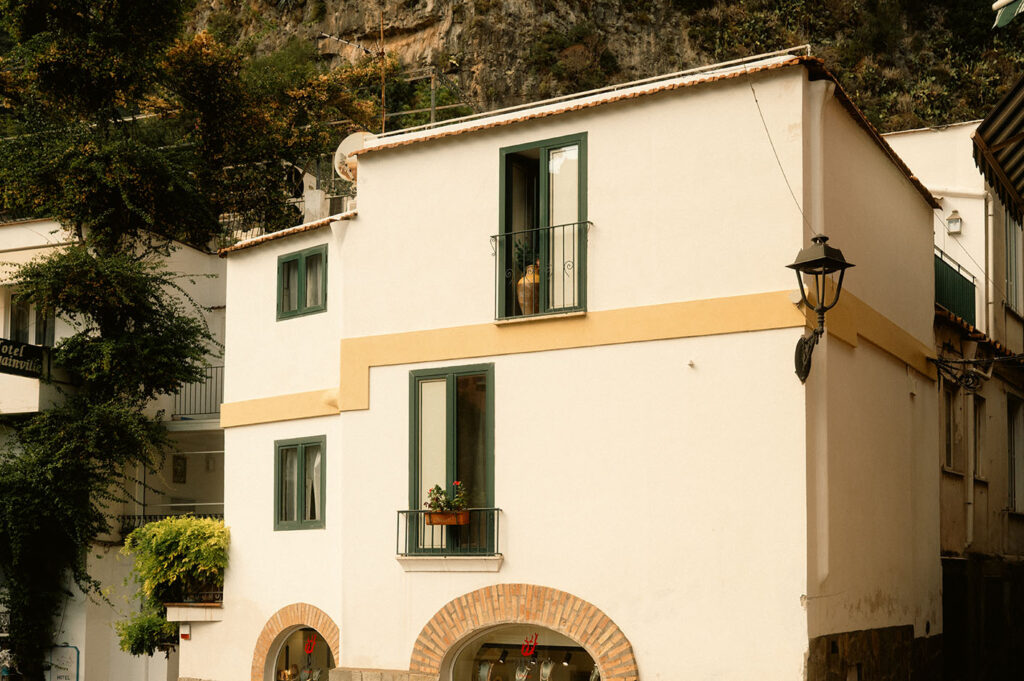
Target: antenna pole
<point x="383" y="107"/>
<point x="433" y="87"/>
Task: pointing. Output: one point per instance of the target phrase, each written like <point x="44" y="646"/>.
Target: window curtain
<point x="314" y="277"/>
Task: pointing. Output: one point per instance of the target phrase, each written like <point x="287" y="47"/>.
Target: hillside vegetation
<point x="907" y="63"/>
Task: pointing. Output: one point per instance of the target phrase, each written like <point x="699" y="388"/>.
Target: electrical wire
<point x="776" y="154"/>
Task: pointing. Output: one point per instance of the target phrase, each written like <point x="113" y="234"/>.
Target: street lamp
<point x="817" y="260"/>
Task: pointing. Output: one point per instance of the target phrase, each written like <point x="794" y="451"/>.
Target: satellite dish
<point x="344" y="162"/>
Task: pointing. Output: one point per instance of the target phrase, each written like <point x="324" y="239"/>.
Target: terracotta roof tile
<point x="298" y="229"/>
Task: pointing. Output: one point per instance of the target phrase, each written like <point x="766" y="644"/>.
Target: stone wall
<point x="886" y="654"/>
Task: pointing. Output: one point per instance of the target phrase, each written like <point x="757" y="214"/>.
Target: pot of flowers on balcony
<point x="445" y="510"/>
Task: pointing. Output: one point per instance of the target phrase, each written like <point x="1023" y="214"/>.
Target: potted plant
<point x="445" y="510"/>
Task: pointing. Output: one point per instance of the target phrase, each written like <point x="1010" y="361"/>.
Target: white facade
<point x="653" y="456"/>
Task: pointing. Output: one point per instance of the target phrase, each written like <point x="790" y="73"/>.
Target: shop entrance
<point x="522" y="652"/>
<point x="303" y="656"/>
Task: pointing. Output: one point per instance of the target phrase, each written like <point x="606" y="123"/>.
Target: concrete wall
<point x="87" y="622"/>
<point x="266" y="357"/>
<point x="873" y="498"/>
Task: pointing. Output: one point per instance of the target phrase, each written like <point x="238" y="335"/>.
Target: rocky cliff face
<point x="906" y="63"/>
<point x="498" y="53"/>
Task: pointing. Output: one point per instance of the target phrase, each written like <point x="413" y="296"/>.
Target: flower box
<point x="447" y="517"/>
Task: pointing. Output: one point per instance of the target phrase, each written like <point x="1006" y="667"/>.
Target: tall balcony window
<point x="541" y="251"/>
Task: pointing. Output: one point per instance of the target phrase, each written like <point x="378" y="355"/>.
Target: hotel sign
<point x="20" y="359"/>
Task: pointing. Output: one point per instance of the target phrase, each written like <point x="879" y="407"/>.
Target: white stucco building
<point x="580" y="310"/>
<point x="191" y="479"/>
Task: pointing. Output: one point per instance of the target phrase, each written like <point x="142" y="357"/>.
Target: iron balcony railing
<point x="201" y="397"/>
<point x="203" y="597"/>
<point x="539" y="271"/>
<point x="130" y="522"/>
<point x="954" y="287"/>
<point x="479" y="537"/>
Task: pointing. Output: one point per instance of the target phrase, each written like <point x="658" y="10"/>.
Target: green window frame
<point x="288" y="486"/>
<point x="450" y="376"/>
<point x="550" y="246"/>
<point x="476" y="472"/>
<point x="302" y="262"/>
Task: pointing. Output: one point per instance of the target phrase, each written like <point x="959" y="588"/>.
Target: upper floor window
<point x="542" y="248"/>
<point x="299" y="483"/>
<point x="302" y="282"/>
<point x="28" y="324"/>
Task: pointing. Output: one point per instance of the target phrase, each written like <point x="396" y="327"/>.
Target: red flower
<point x="456" y="483"/>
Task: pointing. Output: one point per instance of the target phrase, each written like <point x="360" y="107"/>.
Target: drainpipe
<point x="971" y="439"/>
<point x="819" y="92"/>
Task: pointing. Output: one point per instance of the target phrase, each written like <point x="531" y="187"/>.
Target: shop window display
<point x="304" y="656"/>
<point x="522" y="652"/>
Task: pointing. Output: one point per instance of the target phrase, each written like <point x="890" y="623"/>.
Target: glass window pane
<point x="312" y="487"/>
<point x="290" y="286"/>
<point x="44" y="328"/>
<point x="563" y="207"/>
<point x="289" y="461"/>
<point x="432" y="436"/>
<point x="314" y="278"/>
<point x="470" y="436"/>
<point x="19" y="319"/>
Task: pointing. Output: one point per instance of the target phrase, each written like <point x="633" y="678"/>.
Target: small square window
<point x="299" y="483"/>
<point x="302" y="282"/>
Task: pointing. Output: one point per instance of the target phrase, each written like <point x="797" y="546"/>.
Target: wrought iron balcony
<point x="954" y="287"/>
<point x="202" y="397"/>
<point x="417" y="536"/>
<point x="130" y="522"/>
<point x="540" y="271"/>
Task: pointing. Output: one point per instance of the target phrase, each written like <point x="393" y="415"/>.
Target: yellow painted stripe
<point x="853" y="319"/>
<point x="756" y="312"/>
<point x="850" y="320"/>
<point x="279" y="408"/>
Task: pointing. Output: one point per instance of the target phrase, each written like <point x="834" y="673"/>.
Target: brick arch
<point x="524" y="604"/>
<point x="290" y="617"/>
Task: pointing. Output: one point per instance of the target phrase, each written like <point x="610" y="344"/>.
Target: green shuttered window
<point x="300" y="468"/>
<point x="302" y="282"/>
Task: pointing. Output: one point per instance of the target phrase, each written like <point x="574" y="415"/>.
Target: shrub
<point x="146" y="632"/>
<point x="177" y="558"/>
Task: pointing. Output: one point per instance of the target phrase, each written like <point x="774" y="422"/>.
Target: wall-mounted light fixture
<point x="568" y="657"/>
<point x="954" y="223"/>
<point x="818" y="260"/>
<point x="503" y="656"/>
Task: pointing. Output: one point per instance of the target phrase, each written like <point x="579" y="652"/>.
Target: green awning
<point x="1006" y="14"/>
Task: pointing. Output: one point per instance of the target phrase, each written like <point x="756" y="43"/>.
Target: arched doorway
<point x="452" y="631"/>
<point x="284" y="639"/>
<point x="521" y="651"/>
<point x="302" y="655"/>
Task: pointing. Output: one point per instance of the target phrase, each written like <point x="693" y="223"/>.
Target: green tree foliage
<point x="906" y="63"/>
<point x="133" y="137"/>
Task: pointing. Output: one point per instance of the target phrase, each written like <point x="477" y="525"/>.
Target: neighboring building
<point x="580" y="310"/>
<point x="979" y="339"/>
<point x="191" y="479"/>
